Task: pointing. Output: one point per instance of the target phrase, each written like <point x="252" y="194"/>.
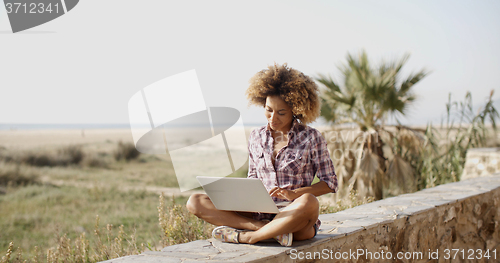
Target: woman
<point x="285" y="154"/>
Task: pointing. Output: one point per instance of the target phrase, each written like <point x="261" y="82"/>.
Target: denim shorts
<point x="316" y="228"/>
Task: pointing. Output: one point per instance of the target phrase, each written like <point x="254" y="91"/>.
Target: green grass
<point x="134" y="174"/>
<point x="34" y="212"/>
<point x="36" y="215"/>
<point x="59" y="222"/>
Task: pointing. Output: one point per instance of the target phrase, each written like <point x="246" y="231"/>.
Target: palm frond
<point x="328" y="82"/>
<point x="370" y="165"/>
<point x="401" y="171"/>
<point x="412" y="80"/>
<point x="397" y="67"/>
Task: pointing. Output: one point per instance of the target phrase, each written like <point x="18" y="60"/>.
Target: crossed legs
<point x="298" y="218"/>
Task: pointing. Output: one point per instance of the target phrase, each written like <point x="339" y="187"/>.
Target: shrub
<point x="69" y="155"/>
<point x="72" y="154"/>
<point x="17" y="175"/>
<point x="443" y="157"/>
<point x="37" y="159"/>
<point x="94" y="161"/>
<point x="126" y="151"/>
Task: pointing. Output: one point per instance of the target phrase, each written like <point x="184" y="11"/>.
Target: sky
<point x="84" y="66"/>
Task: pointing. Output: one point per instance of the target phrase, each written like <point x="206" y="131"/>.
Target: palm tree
<point x="368" y="94"/>
<point x="367" y="97"/>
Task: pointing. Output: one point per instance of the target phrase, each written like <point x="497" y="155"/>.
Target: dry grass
<point x="180" y="226"/>
<point x="353" y="199"/>
<point x="108" y="245"/>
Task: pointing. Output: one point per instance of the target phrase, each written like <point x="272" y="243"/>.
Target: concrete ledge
<point x="481" y="162"/>
<point x="463" y="215"/>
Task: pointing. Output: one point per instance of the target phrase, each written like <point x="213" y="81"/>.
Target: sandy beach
<point x="32" y="139"/>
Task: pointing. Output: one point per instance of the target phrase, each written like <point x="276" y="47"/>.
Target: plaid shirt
<point x="295" y="165"/>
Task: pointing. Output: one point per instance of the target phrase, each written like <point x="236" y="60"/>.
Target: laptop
<point x="239" y="194"/>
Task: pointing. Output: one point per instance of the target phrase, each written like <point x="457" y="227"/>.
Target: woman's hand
<point x="317" y="189"/>
<point x="283" y="193"/>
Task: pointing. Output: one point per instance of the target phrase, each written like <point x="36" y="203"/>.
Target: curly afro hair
<point x="299" y="91"/>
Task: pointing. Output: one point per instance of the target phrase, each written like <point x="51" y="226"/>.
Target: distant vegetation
<point x="440" y="158"/>
<point x="68" y="156"/>
<point x="381" y="160"/>
<point x="126" y="151"/>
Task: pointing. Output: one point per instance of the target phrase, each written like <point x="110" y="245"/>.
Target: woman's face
<point x="279" y="115"/>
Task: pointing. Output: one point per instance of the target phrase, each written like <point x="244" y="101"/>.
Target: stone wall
<point x="418" y="227"/>
<point x="481" y="162"/>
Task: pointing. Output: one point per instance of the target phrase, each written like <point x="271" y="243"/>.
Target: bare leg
<point x="299" y="218"/>
<point x="201" y="206"/>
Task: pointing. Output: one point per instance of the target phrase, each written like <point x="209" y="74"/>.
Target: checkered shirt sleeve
<point x="322" y="163"/>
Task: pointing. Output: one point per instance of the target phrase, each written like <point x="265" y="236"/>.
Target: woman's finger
<point x="285" y="194"/>
<point x="282" y="193"/>
<point x="271" y="192"/>
<point x="277" y="192"/>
